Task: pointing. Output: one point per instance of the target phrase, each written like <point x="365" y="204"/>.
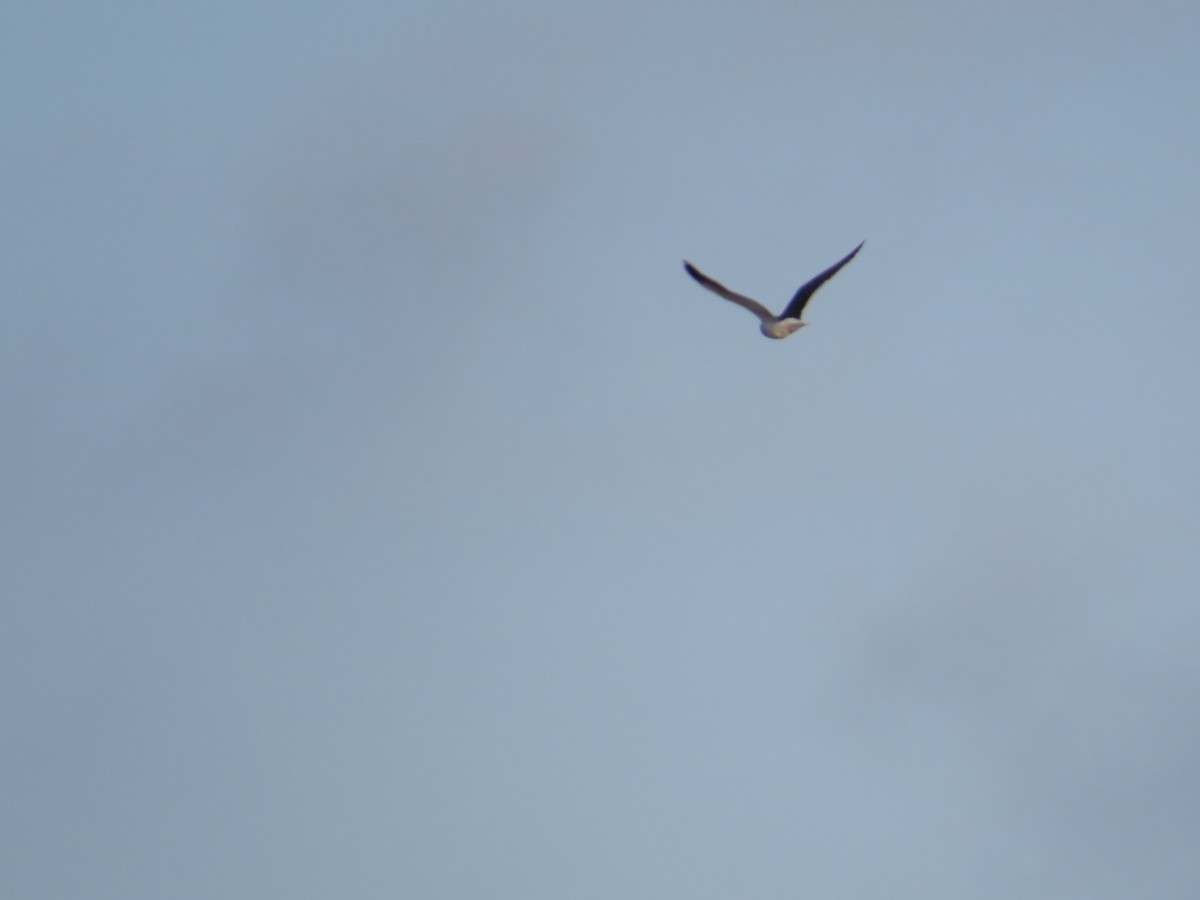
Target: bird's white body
<point x="778" y="329"/>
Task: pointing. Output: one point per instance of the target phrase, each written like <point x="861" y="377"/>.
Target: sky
<point x="386" y="514"/>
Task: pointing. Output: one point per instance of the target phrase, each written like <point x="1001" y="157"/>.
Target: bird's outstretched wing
<point x="796" y="307"/>
<point x="721" y="291"/>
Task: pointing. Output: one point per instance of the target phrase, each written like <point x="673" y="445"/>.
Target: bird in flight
<point x="774" y="326"/>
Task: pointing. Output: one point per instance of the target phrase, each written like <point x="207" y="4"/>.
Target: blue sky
<point x="387" y="514"/>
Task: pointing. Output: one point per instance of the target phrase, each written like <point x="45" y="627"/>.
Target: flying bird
<point x="774" y="326"/>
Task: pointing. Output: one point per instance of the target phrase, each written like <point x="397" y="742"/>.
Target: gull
<point x="774" y="326"/>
